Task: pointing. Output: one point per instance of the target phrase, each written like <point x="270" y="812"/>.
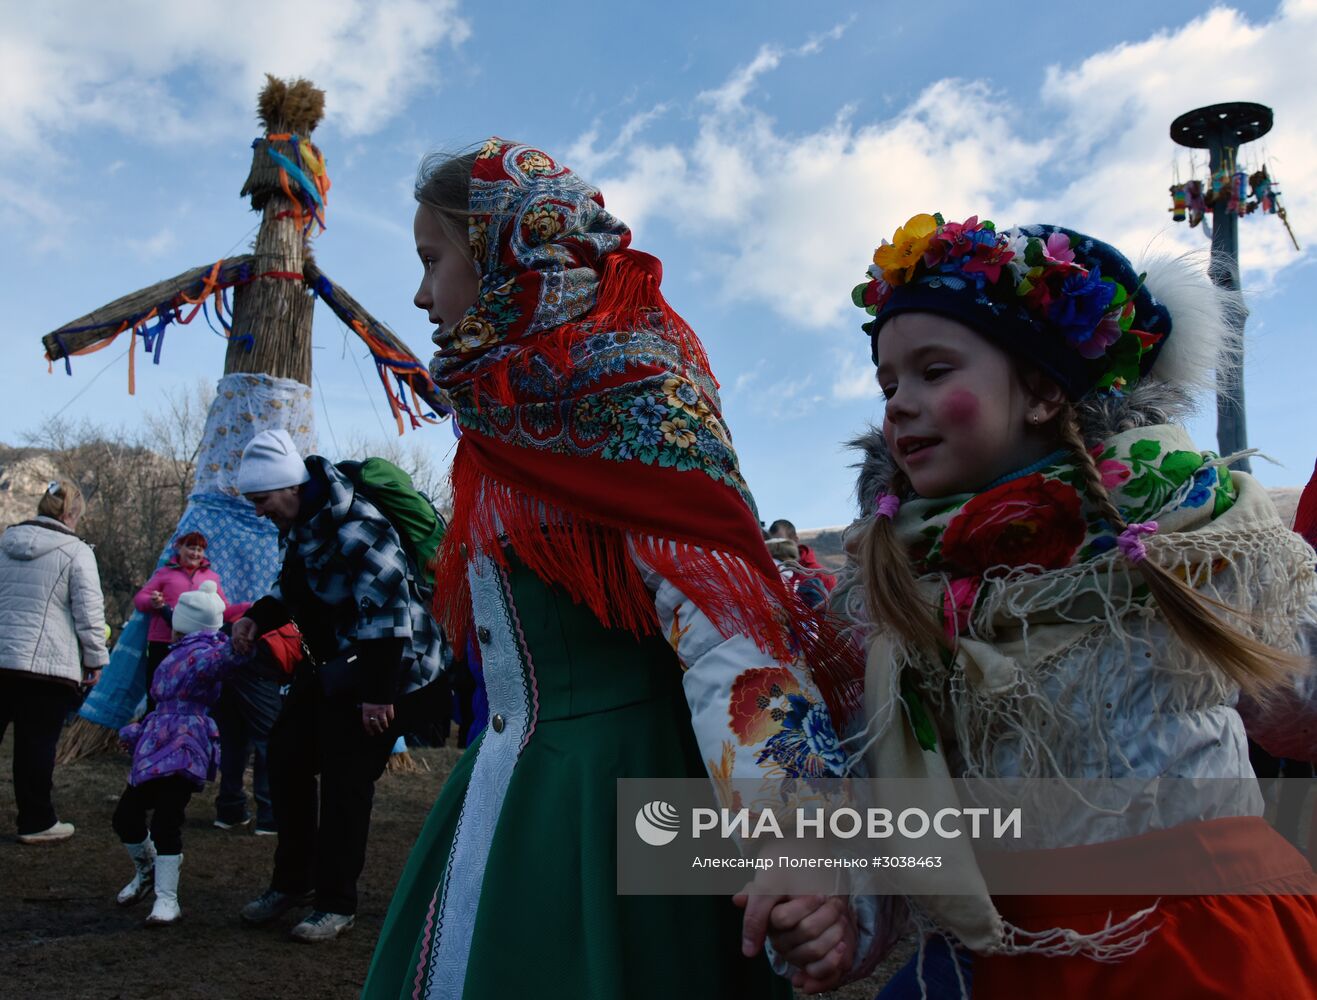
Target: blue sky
<point x="761" y="150"/>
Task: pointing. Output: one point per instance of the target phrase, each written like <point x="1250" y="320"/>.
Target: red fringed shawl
<point x="592" y="429"/>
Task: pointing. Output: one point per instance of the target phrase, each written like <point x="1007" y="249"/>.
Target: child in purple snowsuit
<point x="175" y="751"/>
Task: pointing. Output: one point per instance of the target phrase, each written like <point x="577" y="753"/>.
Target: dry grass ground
<point x="61" y="936"/>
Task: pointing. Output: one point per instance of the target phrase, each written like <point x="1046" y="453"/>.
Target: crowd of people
<point x="1047" y="580"/>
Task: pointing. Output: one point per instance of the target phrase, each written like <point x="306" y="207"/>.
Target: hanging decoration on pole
<point x="1195" y="203"/>
<point x="1228" y="184"/>
<point x="1222" y="129"/>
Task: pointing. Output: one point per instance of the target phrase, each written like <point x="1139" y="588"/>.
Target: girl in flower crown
<point x="1049" y="579"/>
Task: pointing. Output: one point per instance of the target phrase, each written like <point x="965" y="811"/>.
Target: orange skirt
<point x="1258" y="941"/>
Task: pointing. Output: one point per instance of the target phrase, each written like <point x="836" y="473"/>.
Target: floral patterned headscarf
<point x="592" y="430"/>
<point x="1038" y="521"/>
<point x="538" y="234"/>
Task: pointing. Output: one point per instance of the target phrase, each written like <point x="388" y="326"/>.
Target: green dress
<point x="510" y="890"/>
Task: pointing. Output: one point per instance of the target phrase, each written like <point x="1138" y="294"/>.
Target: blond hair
<point x="443" y="185"/>
<point x="62" y="497"/>
<point x="1195" y="619"/>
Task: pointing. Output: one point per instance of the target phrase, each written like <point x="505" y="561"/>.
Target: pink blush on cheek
<point x="960" y="408"/>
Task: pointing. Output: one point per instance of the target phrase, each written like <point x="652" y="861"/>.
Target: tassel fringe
<point x="596" y="564"/>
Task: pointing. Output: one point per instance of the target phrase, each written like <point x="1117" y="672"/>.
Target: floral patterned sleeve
<point x="754" y="718"/>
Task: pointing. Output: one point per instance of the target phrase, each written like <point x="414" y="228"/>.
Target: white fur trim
<point x="1205" y="321"/>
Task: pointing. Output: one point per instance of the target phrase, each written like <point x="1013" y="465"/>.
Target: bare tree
<point x="136" y="482"/>
<point x="175" y="431"/>
<point x="417" y="455"/>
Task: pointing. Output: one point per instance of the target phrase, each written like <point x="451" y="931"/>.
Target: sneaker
<point x="323" y="926"/>
<point x="60" y="831"/>
<point x="265" y="831"/>
<point x="221" y="824"/>
<point x="272" y="903"/>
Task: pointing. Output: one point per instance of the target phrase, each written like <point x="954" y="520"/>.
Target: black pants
<point x="324" y="825"/>
<point x="245" y="714"/>
<point x="37" y="707"/>
<point x="155" y="655"/>
<point x="166" y="800"/>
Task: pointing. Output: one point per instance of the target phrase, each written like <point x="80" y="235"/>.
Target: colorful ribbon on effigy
<point x="407" y="384"/>
<point x="208" y="291"/>
<point x="305" y="181"/>
<point x="391" y="362"/>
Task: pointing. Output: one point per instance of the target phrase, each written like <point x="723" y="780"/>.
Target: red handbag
<point x="285" y="646"/>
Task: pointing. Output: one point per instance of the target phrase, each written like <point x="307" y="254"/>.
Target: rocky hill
<point x="25" y="473"/>
<point x="134" y="498"/>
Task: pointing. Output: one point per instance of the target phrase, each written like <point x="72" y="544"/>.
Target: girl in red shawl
<point x="607" y="554"/>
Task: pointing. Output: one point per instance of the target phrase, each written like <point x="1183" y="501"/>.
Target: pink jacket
<point x="173" y="580"/>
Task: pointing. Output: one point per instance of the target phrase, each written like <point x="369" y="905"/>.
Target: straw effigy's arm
<point x="127" y="312"/>
<point x="391" y="356"/>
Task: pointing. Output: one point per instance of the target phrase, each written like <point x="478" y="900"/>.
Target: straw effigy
<point x="267" y="374"/>
<point x="192" y="287"/>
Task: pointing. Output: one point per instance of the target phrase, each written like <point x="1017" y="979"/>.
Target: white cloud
<point x="787" y="399"/>
<point x="730" y="96"/>
<point x="855" y="376"/>
<point x="587" y="160"/>
<point x="22" y="207"/>
<point x="157" y="244"/>
<point x="66" y="64"/>
<point x="1118" y="106"/>
<point x="791" y="219"/>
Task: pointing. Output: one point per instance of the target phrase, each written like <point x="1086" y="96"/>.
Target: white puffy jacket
<point x="50" y="602"/>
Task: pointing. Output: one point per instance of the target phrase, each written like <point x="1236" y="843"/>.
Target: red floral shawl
<point x="591" y="424"/>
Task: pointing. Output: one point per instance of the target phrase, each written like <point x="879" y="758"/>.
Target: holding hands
<point x="243" y="636"/>
<point x="815" y="934"/>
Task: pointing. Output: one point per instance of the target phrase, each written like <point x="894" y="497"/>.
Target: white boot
<point x="143" y="856"/>
<point x="165" y="910"/>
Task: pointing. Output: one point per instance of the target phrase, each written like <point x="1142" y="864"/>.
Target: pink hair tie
<point x="887" y="506"/>
<point x="1131" y="545"/>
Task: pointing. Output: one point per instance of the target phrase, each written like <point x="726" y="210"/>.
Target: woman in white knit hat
<point x="175" y="751"/>
<point x="346" y="582"/>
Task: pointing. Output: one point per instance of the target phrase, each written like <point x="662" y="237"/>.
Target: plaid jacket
<point x="354" y="562"/>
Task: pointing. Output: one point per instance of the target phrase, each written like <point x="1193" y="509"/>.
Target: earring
<point x="1033" y="419"/>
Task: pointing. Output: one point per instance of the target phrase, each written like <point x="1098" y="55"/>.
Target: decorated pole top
<point x="284" y="160"/>
<point x="268" y="322"/>
<point x="1231" y="124"/>
<point x="1221" y="129"/>
<point x="288" y="185"/>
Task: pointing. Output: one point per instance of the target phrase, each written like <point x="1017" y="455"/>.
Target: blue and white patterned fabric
<point x="242" y="548"/>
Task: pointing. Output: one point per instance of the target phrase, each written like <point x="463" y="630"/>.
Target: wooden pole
<point x="1221" y="129"/>
<point x="274" y="311"/>
<point x="272" y="315"/>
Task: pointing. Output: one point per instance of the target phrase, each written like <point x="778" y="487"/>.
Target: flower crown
<point x="1051" y="281"/>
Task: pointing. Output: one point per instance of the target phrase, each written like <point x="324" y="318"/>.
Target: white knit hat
<point x="199" y="610"/>
<point x="271" y="462"/>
